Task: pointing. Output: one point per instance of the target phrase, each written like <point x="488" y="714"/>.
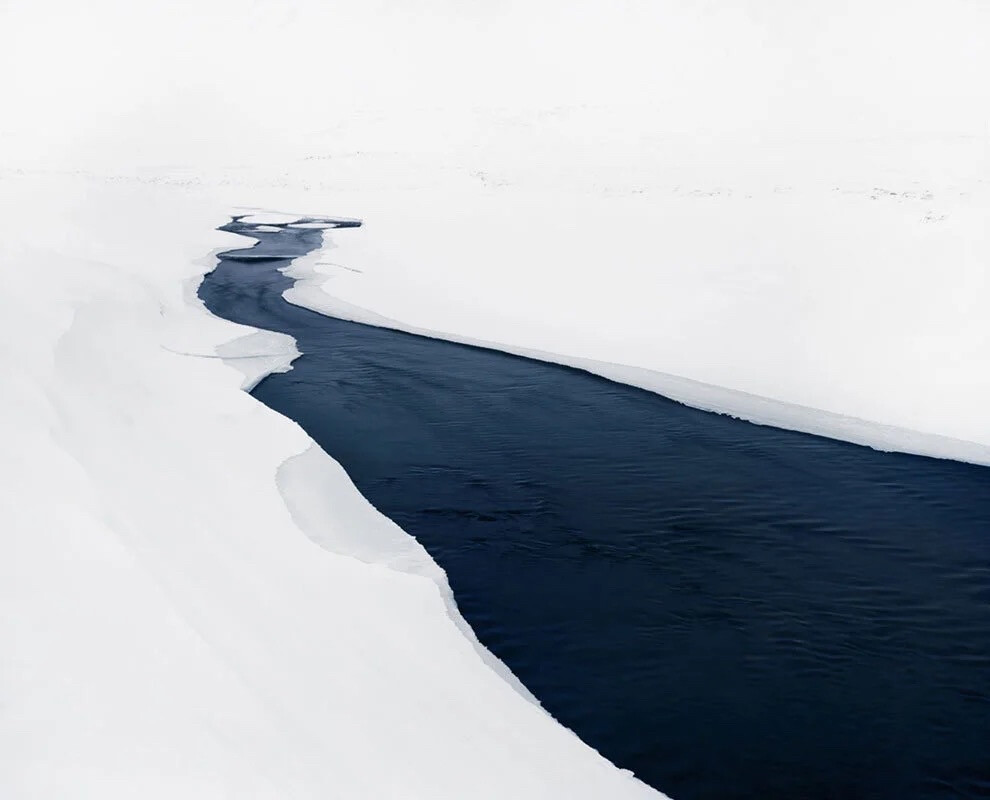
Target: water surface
<point x="728" y="610"/>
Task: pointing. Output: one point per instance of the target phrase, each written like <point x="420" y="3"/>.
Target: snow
<point x="309" y="292"/>
<point x="258" y="355"/>
<point x="197" y="602"/>
<point x="819" y="309"/>
<point x="776" y="211"/>
<point x="327" y="507"/>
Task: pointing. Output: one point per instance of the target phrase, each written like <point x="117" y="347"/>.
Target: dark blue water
<point x="730" y="611"/>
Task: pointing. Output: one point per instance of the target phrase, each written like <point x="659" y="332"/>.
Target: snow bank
<point x="310" y="291"/>
<point x="782" y="205"/>
<point x="197" y="602"/>
<point x="328" y="508"/>
<point x="832" y="286"/>
<point x="259" y="354"/>
<point x="785" y="202"/>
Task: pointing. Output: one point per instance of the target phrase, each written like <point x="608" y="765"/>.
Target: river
<point x="728" y="610"/>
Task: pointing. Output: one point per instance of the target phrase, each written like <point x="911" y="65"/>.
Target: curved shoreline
<point x="173" y="633"/>
<point x="296" y="477"/>
<point x="310" y="292"/>
<point x="759" y="495"/>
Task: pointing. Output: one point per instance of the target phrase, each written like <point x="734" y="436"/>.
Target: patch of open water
<point x="728" y="610"/>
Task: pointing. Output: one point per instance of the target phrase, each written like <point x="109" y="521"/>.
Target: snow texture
<point x="774" y="210"/>
<point x="197" y="601"/>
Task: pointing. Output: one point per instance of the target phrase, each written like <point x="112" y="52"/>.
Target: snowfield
<point x="197" y="601"/>
<point x="775" y="212"/>
<point x="830" y="286"/>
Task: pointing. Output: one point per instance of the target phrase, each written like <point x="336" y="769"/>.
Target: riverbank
<point x="726" y="609"/>
<point x="751" y="195"/>
<point x="173" y="631"/>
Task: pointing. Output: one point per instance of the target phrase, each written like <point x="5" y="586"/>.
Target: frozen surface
<point x="197" y="602"/>
<point x="786" y="202"/>
<point x="308" y="292"/>
<point x="783" y="207"/>
<point x="824" y="304"/>
<point x="259" y="354"/>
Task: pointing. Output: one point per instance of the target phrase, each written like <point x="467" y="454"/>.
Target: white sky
<point x="158" y="83"/>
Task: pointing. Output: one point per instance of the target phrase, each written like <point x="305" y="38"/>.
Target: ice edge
<point x="309" y="291"/>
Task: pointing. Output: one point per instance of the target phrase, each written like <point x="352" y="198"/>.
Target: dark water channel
<point x="730" y="611"/>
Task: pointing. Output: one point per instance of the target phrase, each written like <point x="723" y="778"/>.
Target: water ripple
<point x="731" y="611"/>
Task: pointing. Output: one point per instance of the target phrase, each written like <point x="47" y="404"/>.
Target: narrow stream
<point x="730" y="611"/>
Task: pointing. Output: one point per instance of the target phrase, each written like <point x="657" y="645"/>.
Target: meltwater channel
<point x="728" y="610"/>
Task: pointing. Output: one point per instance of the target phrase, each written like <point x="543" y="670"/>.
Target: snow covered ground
<point x="782" y="204"/>
<point x="196" y="600"/>
<point x="830" y="306"/>
<point x="780" y="200"/>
